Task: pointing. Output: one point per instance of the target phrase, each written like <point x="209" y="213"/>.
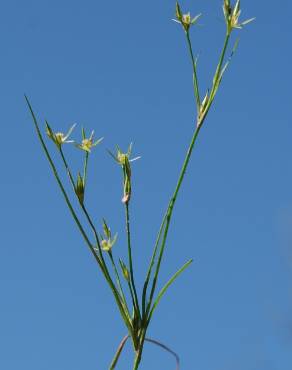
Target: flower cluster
<point x="59" y="139"/>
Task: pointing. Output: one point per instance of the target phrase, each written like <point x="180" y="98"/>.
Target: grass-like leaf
<point x="167" y="285"/>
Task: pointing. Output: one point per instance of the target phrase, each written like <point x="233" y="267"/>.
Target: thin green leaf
<point x="125" y="270"/>
<point x="178" y="11"/>
<point x="167" y="285"/>
<point x="228" y="61"/>
<point x="49" y="130"/>
<point x="152" y="262"/>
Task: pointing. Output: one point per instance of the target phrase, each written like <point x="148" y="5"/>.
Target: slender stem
<point x="119" y="282"/>
<point x="118" y="353"/>
<point x="170" y="210"/>
<point x="195" y="77"/>
<point x="137" y="360"/>
<point x="218" y="69"/>
<point x="85" y="168"/>
<point x="152" y="261"/>
<point x="128" y="230"/>
<point x="67" y="169"/>
<point x="95" y="233"/>
<point x="132" y="295"/>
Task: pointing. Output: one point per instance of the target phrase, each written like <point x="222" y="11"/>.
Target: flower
<point x="185" y="19"/>
<point x="107" y="242"/>
<point x="232" y="14"/>
<point x="88" y="144"/>
<point x="58" y="137"/>
<point x="124" y="160"/>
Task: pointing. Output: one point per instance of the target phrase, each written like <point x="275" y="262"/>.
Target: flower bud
<point x="107" y="243"/>
<point x="79" y="189"/>
<point x="106" y="229"/>
<point x="178" y="12"/>
<point x="125" y="271"/>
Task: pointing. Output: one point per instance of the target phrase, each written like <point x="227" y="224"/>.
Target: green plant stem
<point x="138" y="356"/>
<point x="170" y="210"/>
<point x="128" y="231"/>
<point x="95" y="236"/>
<point x="67" y="169"/>
<point x="219" y="68"/>
<point x="152" y="261"/>
<point x="132" y="295"/>
<point x="85" y="168"/>
<point x="119" y="282"/>
<point x="195" y="77"/>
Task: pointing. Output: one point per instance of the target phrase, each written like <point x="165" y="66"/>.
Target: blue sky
<point x="122" y="69"/>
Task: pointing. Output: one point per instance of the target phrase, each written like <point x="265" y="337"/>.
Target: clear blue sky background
<point x="122" y="69"/>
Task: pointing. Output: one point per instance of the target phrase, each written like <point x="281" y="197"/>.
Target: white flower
<point x="88" y="144"/>
<point x="58" y="137"/>
<point x="185" y="19"/>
